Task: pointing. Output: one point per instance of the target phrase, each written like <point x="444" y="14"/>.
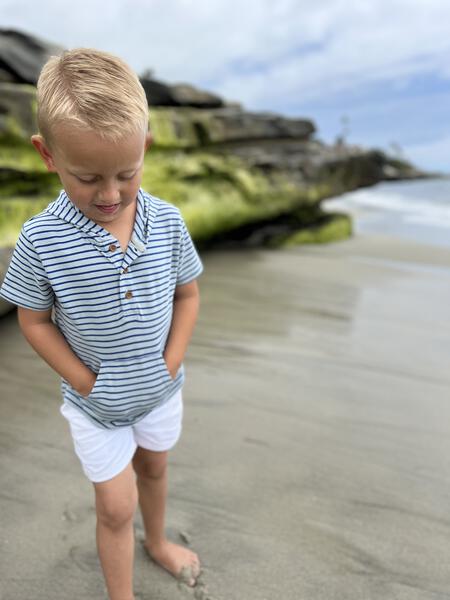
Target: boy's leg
<point x="151" y="471"/>
<point x="116" y="502"/>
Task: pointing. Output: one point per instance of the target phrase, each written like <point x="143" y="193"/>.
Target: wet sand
<point x="315" y="458"/>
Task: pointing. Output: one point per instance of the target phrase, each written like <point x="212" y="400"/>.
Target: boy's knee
<point x="150" y="465"/>
<point x="116" y="512"/>
<point x="116" y="500"/>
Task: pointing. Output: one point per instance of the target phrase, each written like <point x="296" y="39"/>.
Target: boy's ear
<point x="40" y="145"/>
<point x="148" y="141"/>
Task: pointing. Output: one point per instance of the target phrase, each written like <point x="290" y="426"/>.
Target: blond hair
<point x="91" y="89"/>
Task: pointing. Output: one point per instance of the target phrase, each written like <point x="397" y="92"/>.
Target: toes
<point x="196" y="567"/>
<point x="187" y="576"/>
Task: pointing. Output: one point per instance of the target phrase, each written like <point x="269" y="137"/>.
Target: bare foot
<point x="179" y="561"/>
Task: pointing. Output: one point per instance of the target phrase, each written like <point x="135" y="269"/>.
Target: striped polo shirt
<point x="114" y="309"/>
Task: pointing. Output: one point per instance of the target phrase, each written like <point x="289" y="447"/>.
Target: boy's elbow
<point x="28" y="317"/>
<point x="187" y="290"/>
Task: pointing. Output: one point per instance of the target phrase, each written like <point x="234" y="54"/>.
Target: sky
<point x="375" y="71"/>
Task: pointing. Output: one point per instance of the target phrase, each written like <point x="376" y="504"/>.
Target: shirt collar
<point x="66" y="210"/>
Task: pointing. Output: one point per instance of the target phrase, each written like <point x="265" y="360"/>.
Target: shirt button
<point x="113" y="247"/>
<point x="128" y="295"/>
<point x="125" y="271"/>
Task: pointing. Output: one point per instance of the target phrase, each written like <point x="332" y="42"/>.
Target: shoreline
<point x="314" y="456"/>
<point x="393" y="250"/>
<point x="415" y="212"/>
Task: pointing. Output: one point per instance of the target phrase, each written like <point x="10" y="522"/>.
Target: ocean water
<point x="415" y="210"/>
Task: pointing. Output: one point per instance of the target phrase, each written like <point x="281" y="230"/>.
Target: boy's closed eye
<point x="94" y="180"/>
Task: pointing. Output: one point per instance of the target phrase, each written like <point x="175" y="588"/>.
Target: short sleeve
<point x="190" y="266"/>
<point x="26" y="283"/>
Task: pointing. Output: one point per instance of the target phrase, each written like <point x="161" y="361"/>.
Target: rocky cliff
<point x="238" y="177"/>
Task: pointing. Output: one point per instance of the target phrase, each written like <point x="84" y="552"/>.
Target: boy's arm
<point x="45" y="337"/>
<point x="185" y="310"/>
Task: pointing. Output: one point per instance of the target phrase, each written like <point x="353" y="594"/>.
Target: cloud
<point x="357" y="48"/>
<point x="299" y="58"/>
<point x="305" y="48"/>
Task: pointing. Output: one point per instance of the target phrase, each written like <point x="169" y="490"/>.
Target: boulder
<point x="6" y="76"/>
<point x="188" y="95"/>
<point x="231" y="125"/>
<point x="227" y="127"/>
<point x="182" y="94"/>
<point x="22" y="56"/>
<point x="17" y="111"/>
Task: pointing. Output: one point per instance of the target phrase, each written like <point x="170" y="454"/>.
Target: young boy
<point x="118" y="269"/>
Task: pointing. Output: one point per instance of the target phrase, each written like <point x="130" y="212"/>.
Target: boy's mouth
<point x="107" y="208"/>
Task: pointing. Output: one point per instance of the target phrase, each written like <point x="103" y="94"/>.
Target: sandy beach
<point x="315" y="458"/>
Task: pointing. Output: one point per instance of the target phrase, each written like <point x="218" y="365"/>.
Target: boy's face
<point x="101" y="178"/>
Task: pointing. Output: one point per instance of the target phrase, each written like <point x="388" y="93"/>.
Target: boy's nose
<point x="109" y="194"/>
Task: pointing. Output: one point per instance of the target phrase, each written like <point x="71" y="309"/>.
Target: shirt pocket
<point x="128" y="387"/>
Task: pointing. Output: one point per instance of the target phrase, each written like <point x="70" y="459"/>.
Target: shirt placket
<point x="110" y="248"/>
<point x="136" y="247"/>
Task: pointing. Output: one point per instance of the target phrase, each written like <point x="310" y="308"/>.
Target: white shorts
<point x="104" y="453"/>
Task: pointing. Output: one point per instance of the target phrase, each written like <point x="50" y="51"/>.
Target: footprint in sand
<point x="85" y="560"/>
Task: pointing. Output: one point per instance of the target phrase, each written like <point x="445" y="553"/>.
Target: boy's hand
<point x="172" y="366"/>
<point x="185" y="309"/>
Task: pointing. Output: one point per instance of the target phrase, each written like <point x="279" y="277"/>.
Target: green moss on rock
<point x="20" y="155"/>
<point x="335" y="227"/>
<point x="14" y="212"/>
<point x="17" y="111"/>
<point x="216" y="194"/>
<point x="173" y="128"/>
